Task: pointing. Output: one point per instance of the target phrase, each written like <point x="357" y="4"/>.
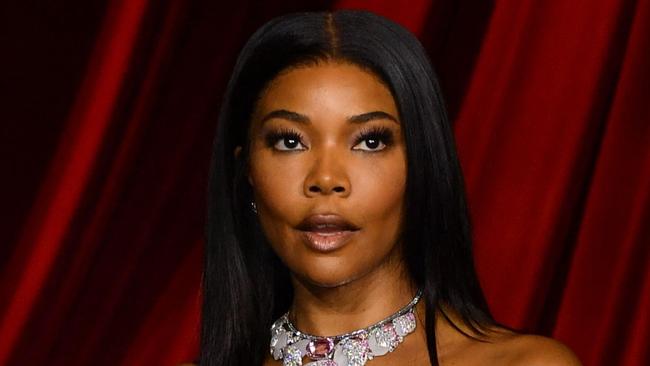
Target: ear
<point x="236" y="153"/>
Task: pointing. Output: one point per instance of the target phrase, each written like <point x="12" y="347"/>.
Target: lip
<point x="326" y="222"/>
<point x="326" y="232"/>
<point x="326" y="242"/>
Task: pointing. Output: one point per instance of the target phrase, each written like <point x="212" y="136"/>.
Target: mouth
<point x="326" y="232"/>
<point x="326" y="241"/>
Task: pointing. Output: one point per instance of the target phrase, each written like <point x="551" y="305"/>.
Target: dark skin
<point x="326" y="163"/>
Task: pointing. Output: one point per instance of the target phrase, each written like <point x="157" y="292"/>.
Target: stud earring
<point x="254" y="206"/>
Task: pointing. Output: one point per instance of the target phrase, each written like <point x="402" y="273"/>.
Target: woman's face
<point x="327" y="139"/>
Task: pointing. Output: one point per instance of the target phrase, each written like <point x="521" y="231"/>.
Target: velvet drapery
<point x="109" y="120"/>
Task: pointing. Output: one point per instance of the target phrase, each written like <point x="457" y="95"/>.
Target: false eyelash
<point x="382" y="133"/>
<point x="272" y="137"/>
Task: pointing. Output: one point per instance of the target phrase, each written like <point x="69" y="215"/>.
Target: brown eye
<point x="284" y="140"/>
<point x="373" y="143"/>
<point x="375" y="139"/>
<point x="289" y="142"/>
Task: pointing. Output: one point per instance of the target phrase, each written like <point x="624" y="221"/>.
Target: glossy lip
<point x="326" y="232"/>
<point x="326" y="241"/>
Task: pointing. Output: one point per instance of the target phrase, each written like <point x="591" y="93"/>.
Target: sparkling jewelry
<point x="253" y="206"/>
<point x="350" y="349"/>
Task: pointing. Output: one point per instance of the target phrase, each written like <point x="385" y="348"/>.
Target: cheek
<point x="379" y="189"/>
<point x="277" y="183"/>
<point x="278" y="191"/>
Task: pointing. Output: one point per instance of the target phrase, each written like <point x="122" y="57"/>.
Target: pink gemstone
<point x="319" y="348"/>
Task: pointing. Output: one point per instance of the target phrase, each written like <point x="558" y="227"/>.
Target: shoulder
<point x="500" y="345"/>
<point x="535" y="350"/>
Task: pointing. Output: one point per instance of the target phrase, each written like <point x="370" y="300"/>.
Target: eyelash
<point x="380" y="133"/>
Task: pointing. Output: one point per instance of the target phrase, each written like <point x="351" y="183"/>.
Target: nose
<point x="328" y="175"/>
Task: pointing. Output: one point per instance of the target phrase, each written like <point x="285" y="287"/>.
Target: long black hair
<point x="245" y="286"/>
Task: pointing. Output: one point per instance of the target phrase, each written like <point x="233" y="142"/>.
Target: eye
<point x="375" y="138"/>
<point x="284" y="139"/>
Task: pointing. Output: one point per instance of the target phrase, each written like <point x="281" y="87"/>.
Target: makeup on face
<point x="328" y="167"/>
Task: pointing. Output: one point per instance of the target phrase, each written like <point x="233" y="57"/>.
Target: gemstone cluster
<point x="350" y="349"/>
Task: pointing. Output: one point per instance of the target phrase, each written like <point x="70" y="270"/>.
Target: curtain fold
<point x="103" y="251"/>
<point x="70" y="170"/>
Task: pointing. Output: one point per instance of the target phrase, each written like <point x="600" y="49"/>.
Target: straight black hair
<point x="245" y="286"/>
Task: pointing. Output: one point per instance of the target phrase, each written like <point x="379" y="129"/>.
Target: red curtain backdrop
<point x="109" y="113"/>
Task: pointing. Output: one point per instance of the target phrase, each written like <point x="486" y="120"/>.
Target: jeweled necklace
<point x="350" y="349"/>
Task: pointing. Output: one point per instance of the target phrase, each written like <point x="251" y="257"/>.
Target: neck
<point x="329" y="311"/>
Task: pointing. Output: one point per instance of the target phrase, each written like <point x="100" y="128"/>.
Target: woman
<point x="337" y="229"/>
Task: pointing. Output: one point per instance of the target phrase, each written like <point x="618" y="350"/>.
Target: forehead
<point x="328" y="86"/>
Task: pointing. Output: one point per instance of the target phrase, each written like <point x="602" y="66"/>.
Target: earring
<point x="254" y="206"/>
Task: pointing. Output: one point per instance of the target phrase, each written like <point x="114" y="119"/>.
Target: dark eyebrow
<point x="288" y="115"/>
<point x="365" y="117"/>
<point x="301" y="118"/>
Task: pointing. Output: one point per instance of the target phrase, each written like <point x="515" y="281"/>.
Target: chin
<point x="328" y="284"/>
<point x="327" y="275"/>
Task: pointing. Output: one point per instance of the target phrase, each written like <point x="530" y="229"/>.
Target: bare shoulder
<point x="535" y="350"/>
<point x="499" y="345"/>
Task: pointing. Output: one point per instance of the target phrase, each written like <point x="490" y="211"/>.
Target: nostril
<point x="318" y="188"/>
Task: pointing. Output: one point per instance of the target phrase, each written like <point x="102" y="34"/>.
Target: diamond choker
<point x="350" y="349"/>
